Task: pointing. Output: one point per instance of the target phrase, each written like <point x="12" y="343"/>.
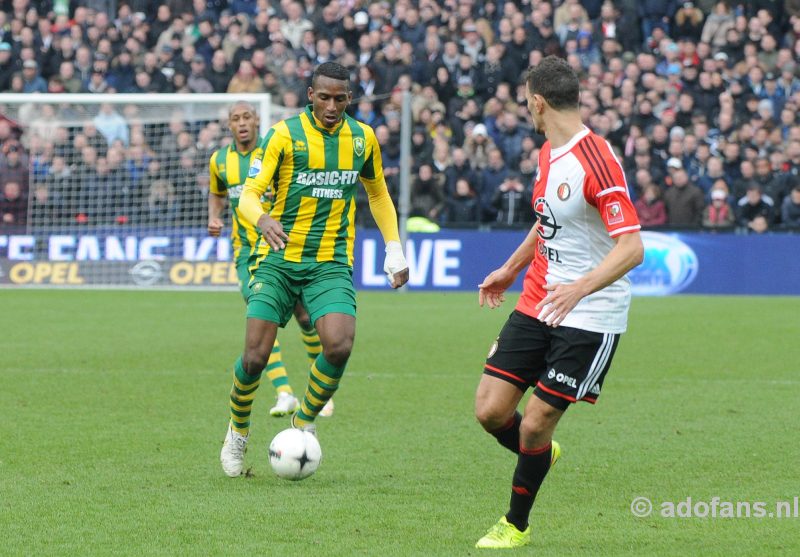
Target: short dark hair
<point x="556" y="81"/>
<point x="333" y="71"/>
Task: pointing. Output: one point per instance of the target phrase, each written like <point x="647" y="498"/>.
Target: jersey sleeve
<point x="261" y="174"/>
<point x="372" y="172"/>
<point x="215" y="184"/>
<point x="606" y="189"/>
<point x="380" y="202"/>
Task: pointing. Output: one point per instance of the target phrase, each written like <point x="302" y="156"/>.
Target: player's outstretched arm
<point x="492" y="290"/>
<point x="562" y="298"/>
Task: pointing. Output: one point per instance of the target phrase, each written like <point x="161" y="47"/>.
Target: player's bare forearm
<point x="524" y="253"/>
<point x="216" y="204"/>
<point x="624" y="256"/>
<point x="490" y="291"/>
<point x="562" y="298"/>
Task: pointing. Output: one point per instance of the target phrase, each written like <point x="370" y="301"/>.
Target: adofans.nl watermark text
<point x="715" y="507"/>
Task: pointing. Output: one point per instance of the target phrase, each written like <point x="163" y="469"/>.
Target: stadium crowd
<point x="699" y="100"/>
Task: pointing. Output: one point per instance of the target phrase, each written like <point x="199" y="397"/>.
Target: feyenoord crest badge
<point x="358" y="146"/>
<point x="563" y="191"/>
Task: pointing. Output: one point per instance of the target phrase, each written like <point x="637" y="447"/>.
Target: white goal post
<point x="115" y="192"/>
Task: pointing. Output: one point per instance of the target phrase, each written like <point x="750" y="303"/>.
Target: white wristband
<point x="395" y="260"/>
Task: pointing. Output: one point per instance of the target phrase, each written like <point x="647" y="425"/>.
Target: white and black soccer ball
<point x="294" y="454"/>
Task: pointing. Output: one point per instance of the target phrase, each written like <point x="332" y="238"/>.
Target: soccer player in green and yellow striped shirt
<point x="228" y="170"/>
<point x="312" y="164"/>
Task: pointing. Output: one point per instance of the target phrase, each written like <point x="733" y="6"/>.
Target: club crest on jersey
<point x="547" y="221"/>
<point x="614" y="213"/>
<point x="255" y="168"/>
<point x="563" y="191"/>
<point x="358" y="146"/>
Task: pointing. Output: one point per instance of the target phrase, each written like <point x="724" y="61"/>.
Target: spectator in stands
<point x="772" y="186"/>
<point x="718" y="215"/>
<point x="717" y="25"/>
<point x="32" y="81"/>
<point x="790" y="210"/>
<point x="650" y="207"/>
<point x="197" y="80"/>
<point x="7" y="66"/>
<point x="97" y="82"/>
<point x="463" y="206"/>
<point x="512" y="201"/>
<point x="220" y="74"/>
<point x="494" y="174"/>
<point x="688" y="23"/>
<point x="59" y="179"/>
<point x="427" y="194"/>
<point x="13" y="205"/>
<point x="111" y="124"/>
<point x="753" y="213"/>
<point x="459" y="168"/>
<point x="46" y="208"/>
<point x="14" y="166"/>
<point x="421" y="145"/>
<point x="187" y="193"/>
<point x="295" y="24"/>
<point x="478" y="145"/>
<point x="512" y="135"/>
<point x="684" y="201"/>
<point x="655" y="14"/>
<point x="245" y="80"/>
<point x="162" y="207"/>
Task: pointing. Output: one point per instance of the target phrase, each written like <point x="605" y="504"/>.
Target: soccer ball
<point x="294" y="454"/>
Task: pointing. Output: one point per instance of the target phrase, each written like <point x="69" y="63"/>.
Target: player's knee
<point x="490" y="416"/>
<point x="530" y="429"/>
<point x="338" y="350"/>
<point x="535" y="429"/>
<point x="254" y="360"/>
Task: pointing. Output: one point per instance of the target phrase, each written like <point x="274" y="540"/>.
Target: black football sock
<point x="532" y="467"/>
<point x="508" y="434"/>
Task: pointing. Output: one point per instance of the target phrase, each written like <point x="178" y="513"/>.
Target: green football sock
<point x="242" y="395"/>
<point x="323" y="380"/>
<point x="311" y="342"/>
<point x="276" y="371"/>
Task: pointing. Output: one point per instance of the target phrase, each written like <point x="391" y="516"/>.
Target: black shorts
<point x="563" y="364"/>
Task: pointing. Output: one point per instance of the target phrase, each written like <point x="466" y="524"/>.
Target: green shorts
<point x="323" y="288"/>
<point x="243" y="272"/>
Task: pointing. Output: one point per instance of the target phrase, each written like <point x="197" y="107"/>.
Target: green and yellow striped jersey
<point x="228" y="170"/>
<point x="315" y="173"/>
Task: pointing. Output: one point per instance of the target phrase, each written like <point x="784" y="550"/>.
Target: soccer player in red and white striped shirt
<point x="562" y="335"/>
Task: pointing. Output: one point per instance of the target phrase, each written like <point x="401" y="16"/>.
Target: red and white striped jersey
<point x="581" y="200"/>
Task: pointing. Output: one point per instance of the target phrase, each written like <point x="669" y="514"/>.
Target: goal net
<point x="112" y="190"/>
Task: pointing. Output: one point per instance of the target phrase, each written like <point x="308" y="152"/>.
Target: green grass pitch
<point x="113" y="408"/>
